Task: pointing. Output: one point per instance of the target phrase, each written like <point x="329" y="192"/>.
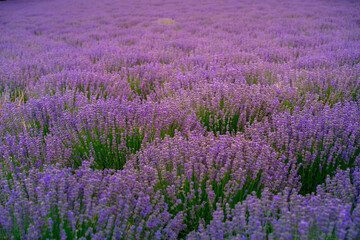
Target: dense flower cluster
<point x="332" y="213"/>
<point x="59" y="203"/>
<point x="180" y="119"/>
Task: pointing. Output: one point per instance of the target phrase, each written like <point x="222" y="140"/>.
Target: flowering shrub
<point x="57" y="203"/>
<point x="318" y="141"/>
<point x="330" y="213"/>
<point x="196" y="173"/>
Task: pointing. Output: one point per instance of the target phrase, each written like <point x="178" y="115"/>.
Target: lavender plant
<point x="223" y="107"/>
<point x="318" y="141"/>
<point x="87" y="204"/>
<point x="328" y="214"/>
<point x="109" y="131"/>
<point x="196" y="173"/>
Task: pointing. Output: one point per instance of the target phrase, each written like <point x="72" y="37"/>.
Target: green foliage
<point x="316" y="173"/>
<point x="109" y="150"/>
<point x="218" y="125"/>
<point x="193" y="198"/>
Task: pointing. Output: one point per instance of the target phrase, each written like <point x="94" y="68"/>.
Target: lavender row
<point x="316" y="140"/>
<point x="332" y="213"/>
<point x="66" y="129"/>
<point x="57" y="203"/>
<point x="106" y="204"/>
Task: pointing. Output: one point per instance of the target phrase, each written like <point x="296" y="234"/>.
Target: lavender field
<point x="208" y="119"/>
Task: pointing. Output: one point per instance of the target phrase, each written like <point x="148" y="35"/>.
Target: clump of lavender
<point x="224" y="107"/>
<point x="332" y="213"/>
<point x="109" y="131"/>
<point x="26" y="133"/>
<point x="318" y="141"/>
<point x="87" y="204"/>
<point x="195" y="173"/>
<point x="39" y="114"/>
<point x="91" y="84"/>
<point x="147" y="80"/>
<point x="67" y="129"/>
<point x="338" y="84"/>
